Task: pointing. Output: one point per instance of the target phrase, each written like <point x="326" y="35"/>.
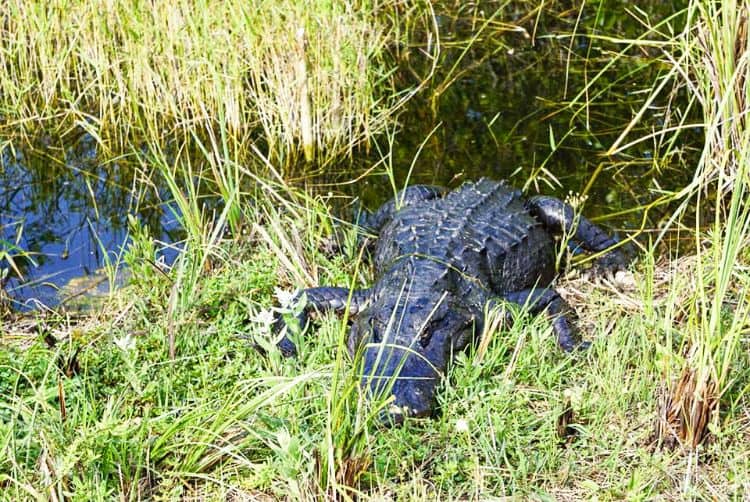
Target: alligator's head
<point x="407" y="345"/>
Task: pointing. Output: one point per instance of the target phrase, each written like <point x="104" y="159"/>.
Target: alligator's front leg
<point x="548" y="300"/>
<point x="409" y="196"/>
<point x="559" y="217"/>
<point x="323" y="299"/>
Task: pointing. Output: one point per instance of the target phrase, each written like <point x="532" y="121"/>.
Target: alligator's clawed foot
<point x="613" y="268"/>
<point x="609" y="264"/>
<point x="285" y="346"/>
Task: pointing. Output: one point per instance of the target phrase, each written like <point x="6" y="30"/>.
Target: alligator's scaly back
<point x="482" y="230"/>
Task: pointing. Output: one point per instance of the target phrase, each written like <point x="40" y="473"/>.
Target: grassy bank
<point x="98" y="407"/>
<point x="161" y="394"/>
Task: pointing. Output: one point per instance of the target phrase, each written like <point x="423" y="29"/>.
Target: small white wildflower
<point x="285" y="298"/>
<point x="462" y="425"/>
<point x="126" y="343"/>
<point x="264" y="319"/>
<point x="575" y="200"/>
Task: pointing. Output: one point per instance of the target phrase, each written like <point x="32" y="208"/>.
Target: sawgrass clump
<point x="299" y="79"/>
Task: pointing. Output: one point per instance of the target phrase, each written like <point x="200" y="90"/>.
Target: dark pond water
<point x="508" y="115"/>
<point x="63" y="216"/>
<point x="514" y="112"/>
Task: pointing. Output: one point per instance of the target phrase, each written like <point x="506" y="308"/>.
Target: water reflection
<point x="63" y="215"/>
<point x="517" y="110"/>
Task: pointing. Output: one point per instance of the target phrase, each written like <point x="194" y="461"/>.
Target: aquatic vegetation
<point x="298" y="79"/>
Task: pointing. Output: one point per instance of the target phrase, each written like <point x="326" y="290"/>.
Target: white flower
<point x="462" y="425"/>
<point x="125" y="343"/>
<point x="286" y="298"/>
<point x="265" y="319"/>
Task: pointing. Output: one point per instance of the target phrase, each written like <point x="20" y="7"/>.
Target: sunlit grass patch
<point x="219" y="418"/>
<point x="165" y="396"/>
<point x="713" y="61"/>
<point x="705" y="57"/>
<point x="303" y="79"/>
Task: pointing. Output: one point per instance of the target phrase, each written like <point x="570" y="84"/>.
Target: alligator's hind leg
<point x="561" y="218"/>
<point x="322" y="299"/>
<point x="409" y="196"/>
<point x="548" y="300"/>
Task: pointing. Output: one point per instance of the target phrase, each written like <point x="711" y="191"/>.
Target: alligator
<point x="441" y="259"/>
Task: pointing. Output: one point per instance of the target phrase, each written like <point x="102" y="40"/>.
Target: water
<point x="63" y="214"/>
<point x="505" y="117"/>
<point x="512" y="114"/>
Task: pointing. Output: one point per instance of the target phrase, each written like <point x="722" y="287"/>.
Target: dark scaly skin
<point x="440" y="258"/>
<point x="413" y="195"/>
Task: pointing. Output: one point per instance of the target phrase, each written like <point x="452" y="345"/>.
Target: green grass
<point x="710" y="58"/>
<point x="217" y="418"/>
<point x="299" y="79"/>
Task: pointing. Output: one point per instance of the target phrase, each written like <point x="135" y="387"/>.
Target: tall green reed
<point x="305" y="80"/>
<point x="705" y="58"/>
<point x="714" y="60"/>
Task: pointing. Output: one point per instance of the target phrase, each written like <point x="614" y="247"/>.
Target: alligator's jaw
<point x="395" y="415"/>
<point x="408" y="377"/>
<point x="409" y="398"/>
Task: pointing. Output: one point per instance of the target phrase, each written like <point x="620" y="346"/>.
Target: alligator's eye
<point x="374" y="332"/>
<point x="426" y="334"/>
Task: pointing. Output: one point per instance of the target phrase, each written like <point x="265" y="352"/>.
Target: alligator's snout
<point x="403" y="375"/>
<point x="410" y="400"/>
<point x="406" y="345"/>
